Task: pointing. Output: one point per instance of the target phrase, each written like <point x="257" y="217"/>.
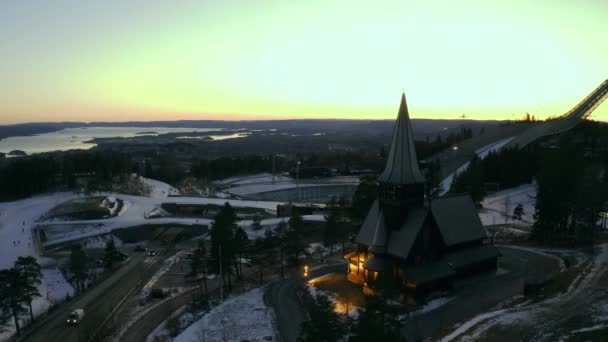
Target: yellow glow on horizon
<point x="271" y="59"/>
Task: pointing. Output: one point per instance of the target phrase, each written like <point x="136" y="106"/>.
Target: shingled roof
<point x="397" y="242"/>
<point x="457" y="219"/>
<point x="402" y="163"/>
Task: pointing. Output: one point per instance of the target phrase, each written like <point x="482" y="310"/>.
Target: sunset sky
<point x="122" y="60"/>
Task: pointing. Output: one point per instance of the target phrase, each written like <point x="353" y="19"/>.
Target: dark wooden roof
<point x="397" y="243"/>
<point x="457" y="219"/>
<point x="469" y="256"/>
<point x="430" y="272"/>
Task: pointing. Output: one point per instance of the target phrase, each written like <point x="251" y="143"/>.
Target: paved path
<point x="282" y="297"/>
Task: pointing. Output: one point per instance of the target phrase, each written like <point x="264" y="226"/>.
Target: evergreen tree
<point x="377" y="321"/>
<point x="111" y="254"/>
<point x="281" y="238"/>
<point x="295" y="234"/>
<point x="78" y="267"/>
<point x="13" y="295"/>
<point x="518" y="212"/>
<point x="364" y="196"/>
<point x="222" y="238"/>
<point x="29" y="269"/>
<point x="322" y="323"/>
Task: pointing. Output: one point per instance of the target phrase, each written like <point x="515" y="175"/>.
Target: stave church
<point x="411" y="246"/>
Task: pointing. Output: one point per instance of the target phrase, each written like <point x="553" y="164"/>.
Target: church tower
<point x="401" y="183"/>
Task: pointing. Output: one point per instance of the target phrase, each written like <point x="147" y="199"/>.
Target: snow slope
<point x="241" y="318"/>
<point x="493" y="211"/>
<point x="483" y="152"/>
<point x="159" y="189"/>
<point x="17" y="220"/>
<point x="253" y="179"/>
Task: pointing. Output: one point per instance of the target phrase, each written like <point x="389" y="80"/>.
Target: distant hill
<point x="422" y="127"/>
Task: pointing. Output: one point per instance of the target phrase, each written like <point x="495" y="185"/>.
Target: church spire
<point x="402" y="163"/>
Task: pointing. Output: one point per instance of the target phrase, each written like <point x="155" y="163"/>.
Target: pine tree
<point x="295" y="233"/>
<point x="78" y="266"/>
<point x="12" y="295"/>
<point x="29" y="269"/>
<point x="322" y="323"/>
<point x="377" y="321"/>
<point x="111" y="254"/>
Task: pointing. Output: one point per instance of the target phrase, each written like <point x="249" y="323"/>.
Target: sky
<point x="127" y="60"/>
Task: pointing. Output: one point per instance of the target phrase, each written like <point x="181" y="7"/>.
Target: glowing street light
<point x="305" y="271"/>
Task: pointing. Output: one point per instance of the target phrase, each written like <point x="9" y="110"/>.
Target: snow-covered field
<point x="18" y="220"/>
<point x="241" y="318"/>
<point x="253" y="179"/>
<point x="494" y="205"/>
<point x="158" y="189"/>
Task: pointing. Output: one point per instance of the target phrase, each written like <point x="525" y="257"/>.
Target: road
<point x="282" y="297"/>
<point x="97" y="302"/>
<point x="551" y="318"/>
<point x="139" y="330"/>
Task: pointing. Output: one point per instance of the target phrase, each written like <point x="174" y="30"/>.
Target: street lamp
<point x="305" y="271"/>
<point x="298" y="179"/>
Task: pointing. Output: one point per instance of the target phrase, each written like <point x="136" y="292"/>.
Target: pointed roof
<point x="402" y="163"/>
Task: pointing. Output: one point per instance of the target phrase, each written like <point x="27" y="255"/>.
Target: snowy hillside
<point x="496" y="205"/>
<point x="159" y="189"/>
<point x="242" y="318"/>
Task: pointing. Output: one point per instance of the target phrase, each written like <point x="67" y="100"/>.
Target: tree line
<point x="506" y="168"/>
<point x="26" y="176"/>
<point x="573" y="187"/>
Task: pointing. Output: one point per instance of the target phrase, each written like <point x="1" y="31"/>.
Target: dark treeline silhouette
<point x="573" y="187"/>
<point x="506" y="168"/>
<point x="26" y="176"/>
<point x="571" y="173"/>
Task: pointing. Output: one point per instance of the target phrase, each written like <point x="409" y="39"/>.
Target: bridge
<point x="523" y="133"/>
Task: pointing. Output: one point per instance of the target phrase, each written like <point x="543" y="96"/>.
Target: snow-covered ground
<point x="240" y="318"/>
<point x="544" y="319"/>
<point x="494" y="205"/>
<point x="496" y="146"/>
<point x="163" y="269"/>
<point x="446" y="183"/>
<point x="253" y="179"/>
<point x="273" y="223"/>
<point x="158" y="189"/>
<point x="483" y="152"/>
<point x="17" y="219"/>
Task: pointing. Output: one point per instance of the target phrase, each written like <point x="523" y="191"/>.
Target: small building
<point x="410" y="246"/>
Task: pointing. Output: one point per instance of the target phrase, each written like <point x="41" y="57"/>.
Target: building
<point x="410" y="246"/>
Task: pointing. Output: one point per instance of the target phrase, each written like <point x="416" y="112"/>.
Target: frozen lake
<point x="74" y="138"/>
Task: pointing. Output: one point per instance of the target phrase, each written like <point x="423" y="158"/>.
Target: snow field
<point x="240" y="318"/>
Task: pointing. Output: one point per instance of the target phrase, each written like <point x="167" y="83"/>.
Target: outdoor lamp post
<point x="298" y="179"/>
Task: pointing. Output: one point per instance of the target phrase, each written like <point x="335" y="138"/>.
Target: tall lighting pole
<point x="298" y="179"/>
